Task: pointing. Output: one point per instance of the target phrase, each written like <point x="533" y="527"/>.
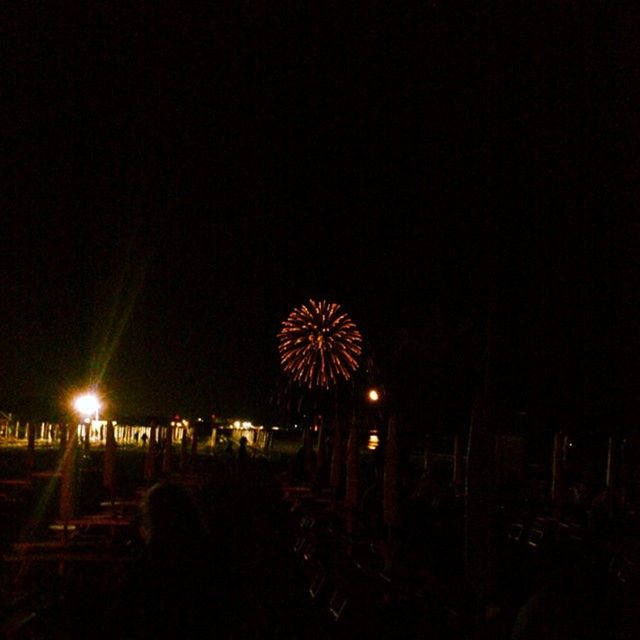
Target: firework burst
<point x="319" y="344"/>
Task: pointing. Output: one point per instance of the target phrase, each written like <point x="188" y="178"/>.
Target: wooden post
<point x="150" y="462"/>
<point x="321" y="455"/>
<point x="168" y="444"/>
<point x="557" y="472"/>
<point x="67" y="483"/>
<point x="309" y="461"/>
<point x="87" y="435"/>
<point x="610" y="480"/>
<point x="610" y="462"/>
<point x="184" y="449"/>
<point x="64" y="430"/>
<point x="109" y="471"/>
<point x="390" y="492"/>
<point x="427" y="458"/>
<point x="337" y="459"/>
<point x="353" y="481"/>
<point x="458" y="484"/>
<point x="194" y="448"/>
<point x="31" y="444"/>
<point x="481" y="505"/>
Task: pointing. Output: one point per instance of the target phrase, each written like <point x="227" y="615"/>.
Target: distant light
<point x="374" y="441"/>
<point x="247" y="425"/>
<point x="373" y="395"/>
<point x="185" y="423"/>
<point x="87" y="404"/>
<point x="236" y="424"/>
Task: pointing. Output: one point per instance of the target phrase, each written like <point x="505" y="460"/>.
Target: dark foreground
<point x="283" y="561"/>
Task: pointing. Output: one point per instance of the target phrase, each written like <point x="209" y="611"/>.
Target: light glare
<point x="87" y="404"/>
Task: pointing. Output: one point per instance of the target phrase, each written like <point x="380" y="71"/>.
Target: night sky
<point x="180" y="178"/>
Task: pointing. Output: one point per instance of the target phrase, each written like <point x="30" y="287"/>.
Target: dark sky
<point x="182" y="177"/>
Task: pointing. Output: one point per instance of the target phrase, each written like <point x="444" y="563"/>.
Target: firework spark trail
<point x="319" y="344"/>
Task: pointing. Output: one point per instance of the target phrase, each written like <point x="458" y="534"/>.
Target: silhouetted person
<point x="323" y="464"/>
<point x="176" y="586"/>
<point x="304" y="463"/>
<point x="242" y="451"/>
<point x="297" y="467"/>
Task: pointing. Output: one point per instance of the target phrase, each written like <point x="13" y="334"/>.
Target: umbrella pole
<point x="390" y="505"/>
<point x="67" y="479"/>
<point x="353" y="480"/>
<point x="335" y="477"/>
<point x="320" y="456"/>
<point x="31" y="444"/>
<point x="150" y="461"/>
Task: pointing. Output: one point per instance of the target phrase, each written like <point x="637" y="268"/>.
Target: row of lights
<point x="88" y="405"/>
<point x="244" y="425"/>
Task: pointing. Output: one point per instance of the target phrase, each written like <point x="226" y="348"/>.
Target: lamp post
<point x="88" y="406"/>
<point x="389" y="463"/>
<point x="373" y="396"/>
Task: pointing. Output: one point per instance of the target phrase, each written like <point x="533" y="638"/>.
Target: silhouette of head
<point x="170" y="515"/>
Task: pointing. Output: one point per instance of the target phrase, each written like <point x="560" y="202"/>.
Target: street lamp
<point x="87" y="405"/>
<point x="373" y="395"/>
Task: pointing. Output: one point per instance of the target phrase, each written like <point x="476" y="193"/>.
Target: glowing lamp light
<point x="373" y="395"/>
<point x="87" y="404"/>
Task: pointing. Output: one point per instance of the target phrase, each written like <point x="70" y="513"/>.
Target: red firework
<point x="319" y="344"/>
